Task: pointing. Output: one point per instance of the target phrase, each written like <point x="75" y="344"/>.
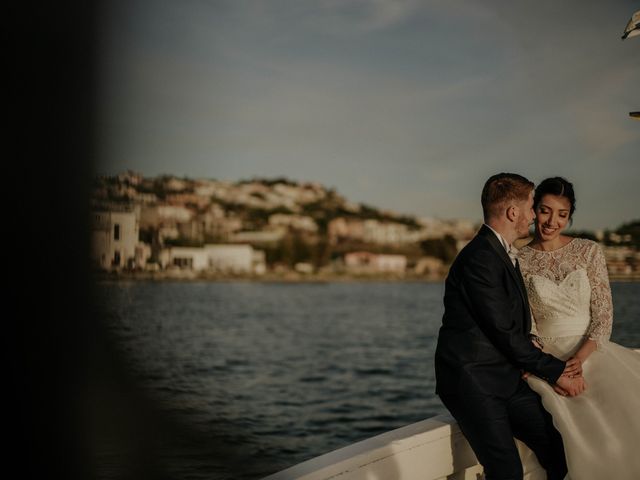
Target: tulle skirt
<point x="600" y="428"/>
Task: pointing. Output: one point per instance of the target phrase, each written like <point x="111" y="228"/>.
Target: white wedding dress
<point x="570" y="300"/>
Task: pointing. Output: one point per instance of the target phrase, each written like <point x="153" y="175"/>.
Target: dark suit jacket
<point x="484" y="340"/>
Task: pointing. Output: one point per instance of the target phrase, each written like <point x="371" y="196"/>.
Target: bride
<point x="570" y="297"/>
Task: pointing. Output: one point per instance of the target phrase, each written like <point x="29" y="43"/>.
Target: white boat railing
<point x="433" y="449"/>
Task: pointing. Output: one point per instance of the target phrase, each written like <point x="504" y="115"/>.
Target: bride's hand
<point x="573" y="368"/>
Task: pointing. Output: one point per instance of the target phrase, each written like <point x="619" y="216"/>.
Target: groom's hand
<point x="560" y="391"/>
<point x="573" y="386"/>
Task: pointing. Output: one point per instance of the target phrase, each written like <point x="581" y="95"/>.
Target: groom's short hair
<point x="501" y="189"/>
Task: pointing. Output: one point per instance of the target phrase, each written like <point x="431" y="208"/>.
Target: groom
<point x="484" y="345"/>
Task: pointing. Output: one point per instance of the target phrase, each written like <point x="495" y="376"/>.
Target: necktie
<point x="520" y="278"/>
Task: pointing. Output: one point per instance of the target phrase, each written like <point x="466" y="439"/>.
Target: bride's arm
<point x="586" y="349"/>
<point x="599" y="329"/>
<point x="574" y="364"/>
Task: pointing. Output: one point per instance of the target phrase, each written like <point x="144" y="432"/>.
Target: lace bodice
<point x="569" y="285"/>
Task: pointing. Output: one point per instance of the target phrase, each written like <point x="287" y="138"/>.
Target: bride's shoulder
<point x="584" y="244"/>
<point x="525" y="248"/>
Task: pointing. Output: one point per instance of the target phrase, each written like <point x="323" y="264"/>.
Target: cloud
<point x="368" y="15"/>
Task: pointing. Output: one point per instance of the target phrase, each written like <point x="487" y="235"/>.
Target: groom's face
<point x="526" y="217"/>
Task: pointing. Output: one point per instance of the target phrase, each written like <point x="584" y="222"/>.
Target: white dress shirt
<point x="510" y="249"/>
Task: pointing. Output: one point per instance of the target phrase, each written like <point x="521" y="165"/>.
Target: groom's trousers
<point x="490" y="423"/>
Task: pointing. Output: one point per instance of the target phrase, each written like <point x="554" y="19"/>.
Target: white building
<point x="230" y="258"/>
<point x="438" y="228"/>
<point x="345" y="229"/>
<point x="367" y="262"/>
<point x="189" y="258"/>
<point x="372" y="231"/>
<point x="388" y="232"/>
<point x="114" y="238"/>
<point x="220" y="258"/>
<point x="156" y="215"/>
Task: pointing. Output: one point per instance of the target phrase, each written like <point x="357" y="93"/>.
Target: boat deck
<point x="433" y="449"/>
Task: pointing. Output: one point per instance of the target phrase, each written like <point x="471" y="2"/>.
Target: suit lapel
<point x="515" y="274"/>
<point x="523" y="287"/>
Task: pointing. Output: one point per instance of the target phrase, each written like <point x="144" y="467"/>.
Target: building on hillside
<point x="345" y="229"/>
<point x="145" y="198"/>
<point x="175" y="184"/>
<point x="367" y="262"/>
<point x="304" y="268"/>
<point x="429" y="266"/>
<point x="187" y="258"/>
<point x="296" y="222"/>
<point x="142" y="256"/>
<point x="156" y="215"/>
<point x="371" y="231"/>
<point x="114" y="240"/>
<point x="259" y="237"/>
<point x="211" y="225"/>
<point x="130" y="177"/>
<point x="215" y="258"/>
<point x="181" y="199"/>
<point x="230" y="258"/>
<point x="459" y="229"/>
<point x="259" y="262"/>
<point x="389" y="233"/>
<point x="163" y="222"/>
<point x="622" y="262"/>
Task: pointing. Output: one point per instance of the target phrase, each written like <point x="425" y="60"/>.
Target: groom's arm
<point x="496" y="313"/>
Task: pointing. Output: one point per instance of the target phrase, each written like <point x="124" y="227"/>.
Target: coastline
<point x="285" y="277"/>
<point x="288" y="277"/>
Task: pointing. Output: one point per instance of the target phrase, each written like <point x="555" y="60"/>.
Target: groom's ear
<point x="512" y="213"/>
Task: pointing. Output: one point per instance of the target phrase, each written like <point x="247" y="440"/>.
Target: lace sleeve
<point x="601" y="304"/>
<point x="533" y="334"/>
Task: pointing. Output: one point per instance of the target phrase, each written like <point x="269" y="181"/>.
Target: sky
<point x="404" y="105"/>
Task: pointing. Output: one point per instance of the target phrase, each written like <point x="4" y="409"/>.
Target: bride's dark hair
<point x="559" y="186"/>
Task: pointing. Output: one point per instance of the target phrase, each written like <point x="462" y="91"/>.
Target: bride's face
<point x="552" y="216"/>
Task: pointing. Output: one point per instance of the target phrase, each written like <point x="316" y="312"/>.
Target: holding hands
<point x="571" y="383"/>
<point x="567" y="386"/>
<point x="570" y="386"/>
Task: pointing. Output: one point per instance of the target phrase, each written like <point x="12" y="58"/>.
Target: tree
<point x="443" y="248"/>
<point x="633" y="229"/>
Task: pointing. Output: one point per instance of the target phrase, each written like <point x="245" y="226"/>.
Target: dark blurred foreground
<point x="74" y="412"/>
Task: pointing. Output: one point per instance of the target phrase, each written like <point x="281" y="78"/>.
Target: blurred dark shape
<point x="48" y="288"/>
<point x="66" y="389"/>
<point x="633" y="26"/>
<point x="632" y="30"/>
<point x="74" y="412"/>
